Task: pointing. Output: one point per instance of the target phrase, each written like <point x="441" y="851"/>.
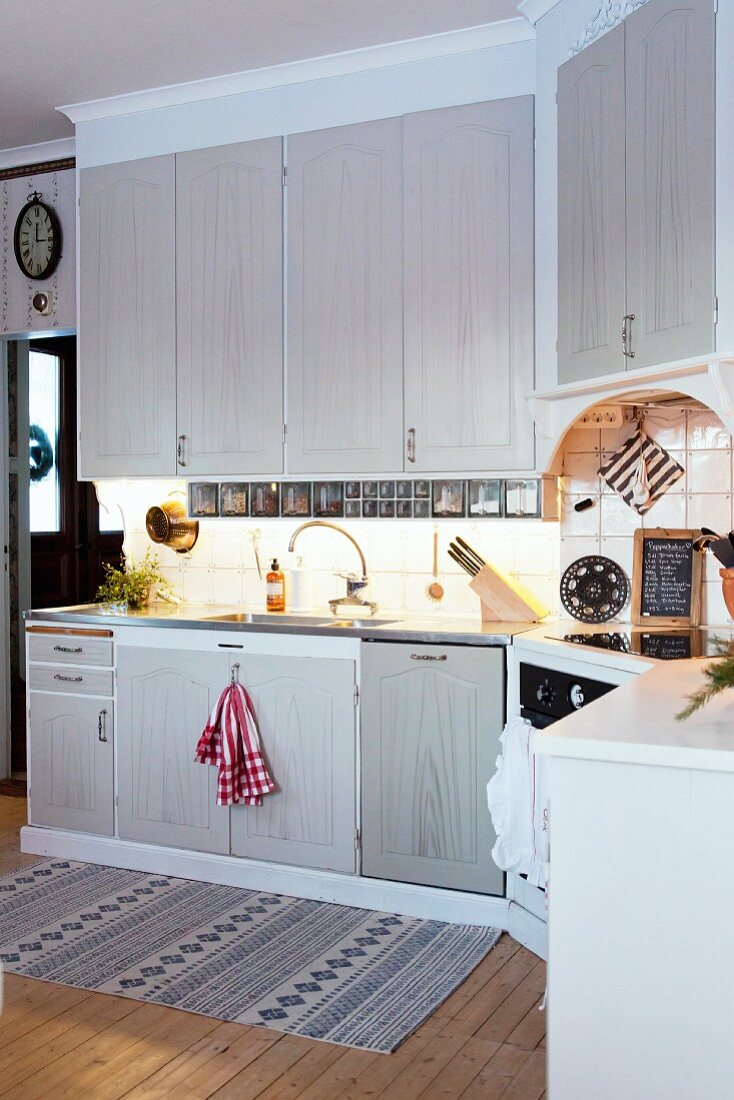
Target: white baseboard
<point x="528" y="930"/>
<point x="429" y="902"/>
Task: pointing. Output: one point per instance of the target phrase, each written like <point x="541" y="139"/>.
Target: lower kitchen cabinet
<point x="431" y="722"/>
<point x="163" y="701"/>
<point x="71" y="762"/>
<point x="305" y="709"/>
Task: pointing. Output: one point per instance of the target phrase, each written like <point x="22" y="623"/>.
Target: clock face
<point x="37" y="240"/>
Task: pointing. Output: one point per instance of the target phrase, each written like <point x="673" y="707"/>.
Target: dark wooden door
<point x="67" y="560"/>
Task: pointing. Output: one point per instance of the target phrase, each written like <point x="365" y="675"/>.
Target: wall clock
<point x="37" y="238"/>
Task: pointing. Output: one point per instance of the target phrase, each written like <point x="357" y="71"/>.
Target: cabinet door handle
<point x="411" y="444"/>
<point x="68" y="649"/>
<point x="102" y="726"/>
<point x="68" y="679"/>
<point x="180" y="451"/>
<point x="627" y="335"/>
<point x="428" y="657"/>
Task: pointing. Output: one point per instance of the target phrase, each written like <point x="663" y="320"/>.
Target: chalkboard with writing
<point x="666" y="578"/>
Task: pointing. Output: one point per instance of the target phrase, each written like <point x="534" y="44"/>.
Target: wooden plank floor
<point x="487" y="1040"/>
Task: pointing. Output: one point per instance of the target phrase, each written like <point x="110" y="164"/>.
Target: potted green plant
<point x="134" y="584"/>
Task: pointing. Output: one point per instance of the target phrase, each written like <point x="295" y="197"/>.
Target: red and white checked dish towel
<point x="230" y="741"/>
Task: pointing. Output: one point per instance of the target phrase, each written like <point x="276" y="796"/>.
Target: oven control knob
<point x="545" y="694"/>
<point x="576" y="695"/>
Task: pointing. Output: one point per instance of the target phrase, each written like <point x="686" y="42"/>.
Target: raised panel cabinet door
<point x="345" y="311"/>
<point x="468" y="212"/>
<point x="305" y="708"/>
<point x="71" y="763"/>
<point x="163" y="702"/>
<point x="670" y="69"/>
<point x="127" y="319"/>
<point x="431" y="722"/>
<point x="591" y="210"/>
<point x="229" y="308"/>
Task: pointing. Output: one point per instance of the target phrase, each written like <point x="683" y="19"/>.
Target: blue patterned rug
<point x="323" y="971"/>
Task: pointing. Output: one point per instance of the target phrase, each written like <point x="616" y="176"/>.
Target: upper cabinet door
<point x="591" y="210"/>
<point x="670" y="180"/>
<point x="469" y="286"/>
<point x="345" y="310"/>
<point x="127" y="310"/>
<point x="230" y="309"/>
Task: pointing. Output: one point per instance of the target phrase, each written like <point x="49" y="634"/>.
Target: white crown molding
<point x="533" y="10"/>
<point x="607" y="15"/>
<point x="297" y="72"/>
<point x="37" y="154"/>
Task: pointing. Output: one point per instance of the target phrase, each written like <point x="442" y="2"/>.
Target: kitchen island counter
<point x="637" y="724"/>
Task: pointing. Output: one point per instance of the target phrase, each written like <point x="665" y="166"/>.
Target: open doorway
<point x="58" y="542"/>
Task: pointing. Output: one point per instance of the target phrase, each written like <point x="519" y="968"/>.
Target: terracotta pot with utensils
<point x="727" y="585"/>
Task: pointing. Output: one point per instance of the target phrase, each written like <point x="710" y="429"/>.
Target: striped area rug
<point x="322" y="971"/>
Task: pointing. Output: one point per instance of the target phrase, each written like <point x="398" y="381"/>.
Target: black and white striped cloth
<point x="622" y="471"/>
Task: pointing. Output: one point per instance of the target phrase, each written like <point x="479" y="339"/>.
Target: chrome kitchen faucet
<point x="355" y="583"/>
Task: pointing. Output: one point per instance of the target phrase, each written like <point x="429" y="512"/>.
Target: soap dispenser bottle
<point x="275" y="588"/>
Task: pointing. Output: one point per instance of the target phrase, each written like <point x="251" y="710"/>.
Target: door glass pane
<point x="44" y="406"/>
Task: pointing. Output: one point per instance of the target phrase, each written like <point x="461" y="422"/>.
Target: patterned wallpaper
<point x="17" y="315"/>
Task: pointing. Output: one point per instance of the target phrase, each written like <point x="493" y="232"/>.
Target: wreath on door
<point x="41" y="453"/>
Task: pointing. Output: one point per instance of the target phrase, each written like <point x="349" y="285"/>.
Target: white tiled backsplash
<point x="221" y="567"/>
<point x="703" y="496"/>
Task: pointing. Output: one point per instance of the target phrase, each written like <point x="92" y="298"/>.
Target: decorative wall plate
<point x="594" y="589"/>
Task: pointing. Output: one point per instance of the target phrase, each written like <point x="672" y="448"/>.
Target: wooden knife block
<point x="505" y="600"/>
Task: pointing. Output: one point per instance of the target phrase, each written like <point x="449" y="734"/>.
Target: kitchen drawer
<point x="74" y="681"/>
<point x="66" y="649"/>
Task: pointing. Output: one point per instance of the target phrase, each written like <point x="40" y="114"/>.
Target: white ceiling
<point x="72" y="51"/>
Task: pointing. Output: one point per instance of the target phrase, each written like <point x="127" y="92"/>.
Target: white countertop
<point x="636" y="724"/>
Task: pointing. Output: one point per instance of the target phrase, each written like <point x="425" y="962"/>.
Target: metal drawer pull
<point x="102" y="726"/>
<point x="180" y="451"/>
<point x="68" y="679"/>
<point x="428" y="657"/>
<point x="68" y="649"/>
<point x="627" y="335"/>
<point x="411" y="444"/>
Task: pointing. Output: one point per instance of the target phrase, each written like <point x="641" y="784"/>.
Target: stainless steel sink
<point x="356" y="624"/>
<point x="270" y="618"/>
<point x="277" y="619"/>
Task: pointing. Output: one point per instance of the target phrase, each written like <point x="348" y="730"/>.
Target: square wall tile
<point x="705" y="430"/>
<point x="709" y="471"/>
<point x="669" y="511"/>
<point x="581" y="473"/>
<point x="580" y="523"/>
<point x="713" y="608"/>
<point x="582" y="441"/>
<point x="710" y="510"/>
<point x="667" y="427"/>
<point x="617" y="518"/>
<point x="574" y="548"/>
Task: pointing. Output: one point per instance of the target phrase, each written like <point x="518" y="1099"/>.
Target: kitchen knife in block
<point x="504" y="600"/>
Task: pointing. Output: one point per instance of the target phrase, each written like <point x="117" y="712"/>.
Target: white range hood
<point x="708" y="381"/>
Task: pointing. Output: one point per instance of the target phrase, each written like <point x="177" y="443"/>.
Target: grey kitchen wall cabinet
<point x="469" y="305"/>
<point x="71" y="762"/>
<point x="669" y="75"/>
<point x="127" y="319"/>
<point x="431" y="721"/>
<point x="180" y="354"/>
<point x="591" y="209"/>
<point x="345" y="312"/>
<point x="163" y="701"/>
<point x="305" y="709"/>
<point x="229" y="309"/>
<point x="636" y="130"/>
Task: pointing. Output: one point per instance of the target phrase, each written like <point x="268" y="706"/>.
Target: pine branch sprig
<point x="719" y="674"/>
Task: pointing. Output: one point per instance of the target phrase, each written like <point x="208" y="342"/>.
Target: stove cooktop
<point x="665" y="645"/>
